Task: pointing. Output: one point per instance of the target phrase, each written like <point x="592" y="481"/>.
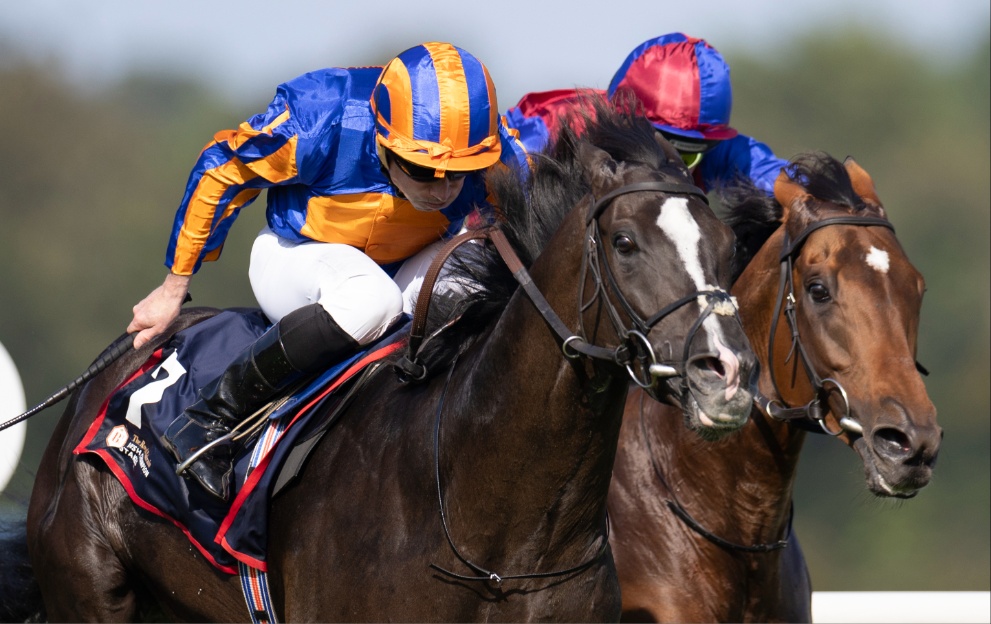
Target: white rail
<point x="902" y="607"/>
<point x="11" y="405"/>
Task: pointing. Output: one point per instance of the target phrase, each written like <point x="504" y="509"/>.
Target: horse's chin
<point x="889" y="487"/>
<point x="712" y="421"/>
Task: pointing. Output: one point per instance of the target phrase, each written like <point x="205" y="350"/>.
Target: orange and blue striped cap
<point x="435" y="106"/>
<point x="683" y="84"/>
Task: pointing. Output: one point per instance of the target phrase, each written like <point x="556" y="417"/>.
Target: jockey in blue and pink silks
<point x="683" y="85"/>
<point x="368" y="170"/>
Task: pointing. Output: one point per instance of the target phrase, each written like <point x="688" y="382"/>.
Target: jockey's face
<point x="426" y="192"/>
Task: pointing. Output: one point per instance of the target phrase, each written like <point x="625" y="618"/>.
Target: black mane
<point x="531" y="208"/>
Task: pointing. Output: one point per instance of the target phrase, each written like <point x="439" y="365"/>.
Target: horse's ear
<point x="792" y="196"/>
<point x="669" y="150"/>
<point x="600" y="168"/>
<point x="862" y="183"/>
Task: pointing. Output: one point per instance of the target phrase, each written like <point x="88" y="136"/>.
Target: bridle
<point x="810" y="416"/>
<point x="635" y="347"/>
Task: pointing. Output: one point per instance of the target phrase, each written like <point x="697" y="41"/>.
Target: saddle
<point x="127" y="429"/>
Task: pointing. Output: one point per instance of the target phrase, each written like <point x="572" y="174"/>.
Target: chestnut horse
<point x="702" y="533"/>
<point x="478" y="493"/>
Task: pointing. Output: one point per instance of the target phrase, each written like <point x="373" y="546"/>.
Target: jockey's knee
<point x="365" y="307"/>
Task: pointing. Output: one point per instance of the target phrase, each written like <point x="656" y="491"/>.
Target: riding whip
<point x="118" y="348"/>
<point x="109" y="355"/>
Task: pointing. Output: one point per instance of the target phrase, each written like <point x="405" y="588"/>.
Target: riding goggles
<point x="691" y="159"/>
<point x="424" y="175"/>
<point x="691" y="150"/>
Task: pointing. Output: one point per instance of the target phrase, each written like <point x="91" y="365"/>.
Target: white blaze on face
<point x="878" y="259"/>
<point x="677" y="223"/>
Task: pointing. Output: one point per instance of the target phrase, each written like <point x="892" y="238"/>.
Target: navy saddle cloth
<point x="126" y="435"/>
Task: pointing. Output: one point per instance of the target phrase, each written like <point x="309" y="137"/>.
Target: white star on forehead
<point x="878" y="259"/>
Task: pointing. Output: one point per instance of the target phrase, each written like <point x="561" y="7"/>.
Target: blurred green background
<point x="89" y="180"/>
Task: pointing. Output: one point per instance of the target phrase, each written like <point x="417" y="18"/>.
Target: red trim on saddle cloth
<point x="254" y="476"/>
<point x="154" y="360"/>
<point x="259" y="470"/>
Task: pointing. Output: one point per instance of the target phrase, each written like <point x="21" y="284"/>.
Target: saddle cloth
<point x="126" y="435"/>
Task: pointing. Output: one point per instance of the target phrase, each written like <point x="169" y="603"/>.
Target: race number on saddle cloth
<point x="126" y="435"/>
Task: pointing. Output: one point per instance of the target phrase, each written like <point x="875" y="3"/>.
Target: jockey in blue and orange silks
<point x="367" y="171"/>
<point x="683" y="85"/>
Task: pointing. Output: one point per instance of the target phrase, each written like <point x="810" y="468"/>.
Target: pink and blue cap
<point x="683" y="84"/>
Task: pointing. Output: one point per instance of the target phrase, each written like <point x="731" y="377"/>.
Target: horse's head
<point x="854" y="300"/>
<point x="658" y="273"/>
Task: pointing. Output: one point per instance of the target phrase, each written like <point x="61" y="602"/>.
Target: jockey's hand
<point x="154" y="313"/>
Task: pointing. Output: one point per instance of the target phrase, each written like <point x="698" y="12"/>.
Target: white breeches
<point x="361" y="298"/>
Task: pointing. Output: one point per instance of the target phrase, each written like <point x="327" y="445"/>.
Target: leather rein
<point x="635" y="348"/>
<point x="676" y="507"/>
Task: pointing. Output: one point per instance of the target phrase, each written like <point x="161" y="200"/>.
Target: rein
<point x="678" y="510"/>
<point x="811" y="416"/>
<point x="484" y="574"/>
<point x="572" y="345"/>
<point x="636" y="346"/>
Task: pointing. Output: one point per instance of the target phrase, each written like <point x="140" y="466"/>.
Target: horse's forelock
<point x="826" y="179"/>
<point x="622" y="131"/>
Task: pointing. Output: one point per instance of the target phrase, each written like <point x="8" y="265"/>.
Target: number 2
<point x="152" y="393"/>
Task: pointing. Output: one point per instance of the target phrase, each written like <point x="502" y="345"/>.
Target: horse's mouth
<point x="877" y="483"/>
<point x="715" y="419"/>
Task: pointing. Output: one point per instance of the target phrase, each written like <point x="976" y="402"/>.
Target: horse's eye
<point x="818" y="292"/>
<point x="624" y="244"/>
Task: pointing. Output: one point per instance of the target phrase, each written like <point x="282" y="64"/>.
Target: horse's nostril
<point x="891" y="442"/>
<point x="709" y="367"/>
<point x="716" y="366"/>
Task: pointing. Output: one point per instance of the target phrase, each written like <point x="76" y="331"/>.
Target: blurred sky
<point x="246" y="47"/>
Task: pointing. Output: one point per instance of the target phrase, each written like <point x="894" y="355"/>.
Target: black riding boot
<point x="303" y="342"/>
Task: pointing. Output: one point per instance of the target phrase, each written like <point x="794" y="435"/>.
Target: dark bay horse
<point x="702" y="533"/>
<point x="480" y="492"/>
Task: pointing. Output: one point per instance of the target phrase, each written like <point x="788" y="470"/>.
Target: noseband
<point x="810" y="416"/>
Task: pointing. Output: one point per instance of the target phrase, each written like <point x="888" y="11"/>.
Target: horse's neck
<point x="739" y="488"/>
<point x="552" y="428"/>
<point x="765" y="453"/>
